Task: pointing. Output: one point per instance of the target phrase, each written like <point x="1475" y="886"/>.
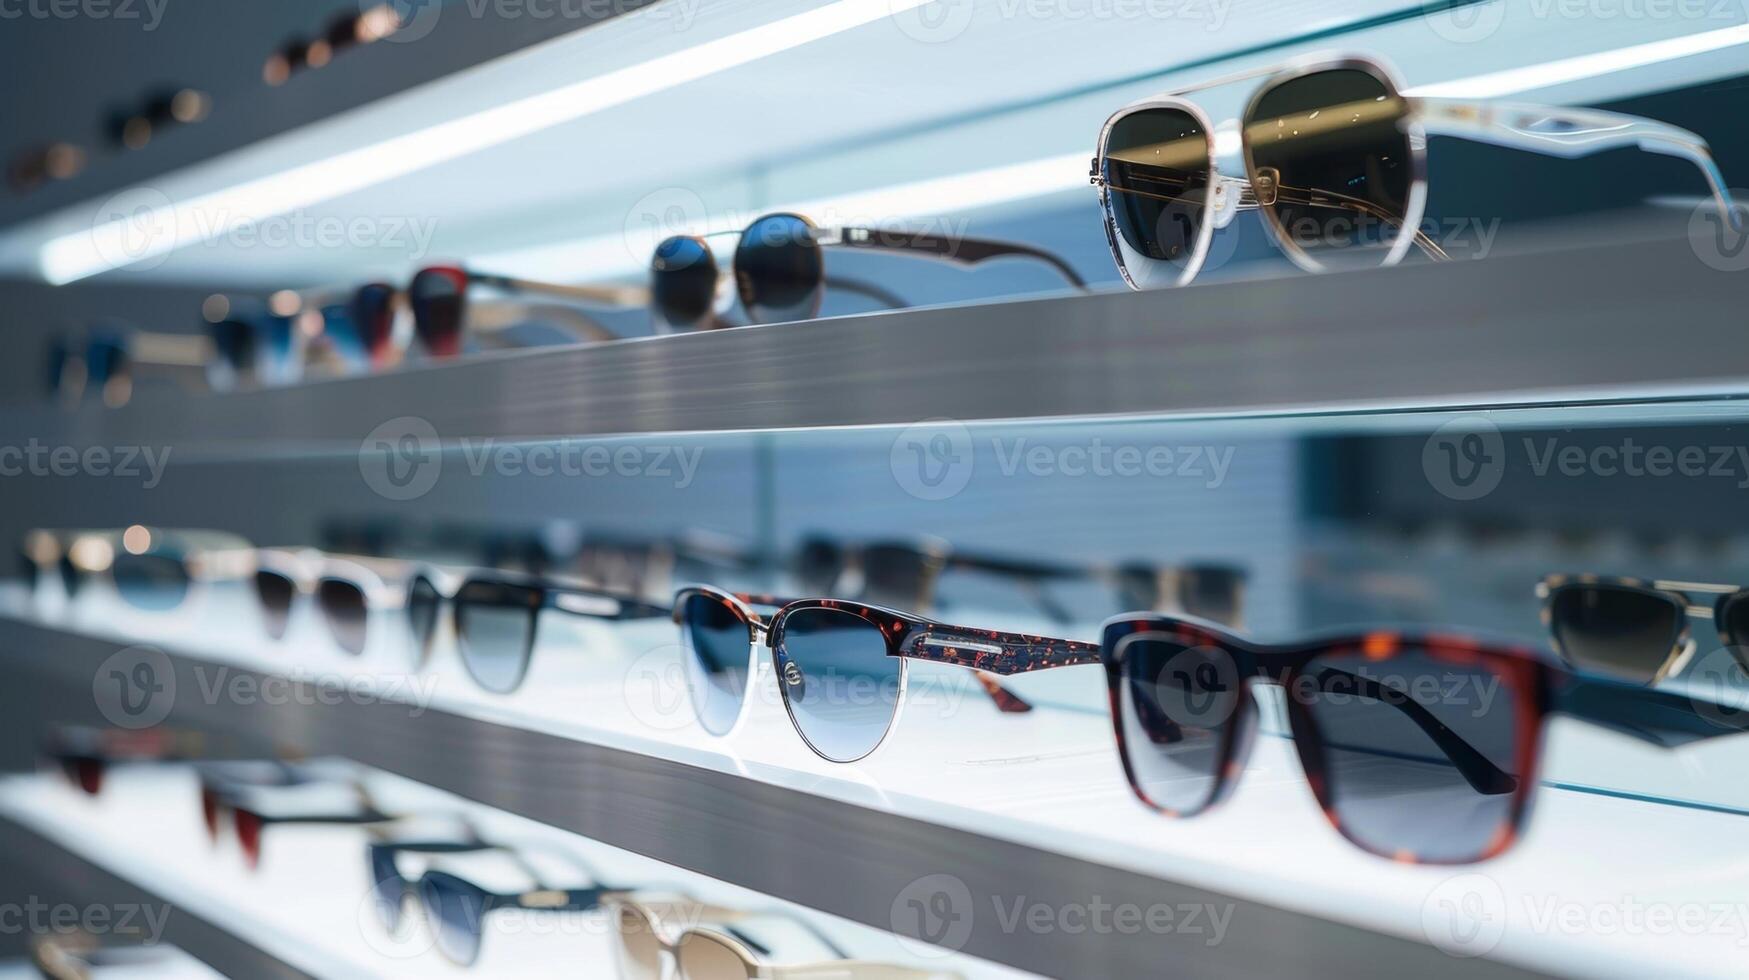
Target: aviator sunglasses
<point x="1335" y="160"/>
<point x="780" y="268"/>
<point x="1638" y="631"/>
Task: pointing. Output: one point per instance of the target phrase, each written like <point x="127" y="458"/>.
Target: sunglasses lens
<point x="841" y="685"/>
<point x="704" y="957"/>
<point x="683" y="282"/>
<point x="343" y="607"/>
<point x="640" y="953"/>
<point x="235" y="355"/>
<point x="455" y="910"/>
<point x="151" y="582"/>
<point x="72" y="577"/>
<point x="1418" y="752"/>
<point x="1178" y="707"/>
<point x="779" y="270"/>
<point x="387" y="887"/>
<point x="84" y="772"/>
<point x="1334" y="148"/>
<point x="718" y="653"/>
<point x="818" y="566"/>
<point x="1621" y="631"/>
<point x="373" y="315"/>
<point x="1734" y="623"/>
<point x="438" y="297"/>
<point x="280" y="343"/>
<point x="495" y="632"/>
<point x="106" y="363"/>
<point x="275" y="592"/>
<point x="249" y="826"/>
<point x="422" y="606"/>
<point x="1158" y="176"/>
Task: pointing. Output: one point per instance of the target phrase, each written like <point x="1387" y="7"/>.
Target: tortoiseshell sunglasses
<point x="842" y="666"/>
<point x="1636" y="630"/>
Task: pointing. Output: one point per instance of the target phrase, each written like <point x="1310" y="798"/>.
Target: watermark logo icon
<point x="934" y="21"/>
<point x="1464" y="22"/>
<point x="660" y="215"/>
<point x="392" y="923"/>
<point x="401" y="459"/>
<point x="1464" y="459"/>
<point x="418" y="18"/>
<point x="1719" y="239"/>
<point x="936" y="909"/>
<point x="933" y="460"/>
<point x="1465" y="915"/>
<point x="135" y="687"/>
<point x="657" y="689"/>
<point x="137" y="228"/>
<point x="1718" y="687"/>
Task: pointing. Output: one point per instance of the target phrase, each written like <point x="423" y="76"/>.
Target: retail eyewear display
<point x="105" y="361"/>
<point x="1335" y="161"/>
<point x="442" y="314"/>
<point x="1639" y="631"/>
<point x="153" y="570"/>
<point x="244" y="801"/>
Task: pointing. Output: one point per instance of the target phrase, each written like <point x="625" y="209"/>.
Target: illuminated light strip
<point x="1515" y="80"/>
<point x="155" y="231"/>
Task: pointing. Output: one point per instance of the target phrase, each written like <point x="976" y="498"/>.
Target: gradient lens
<point x="1180" y="708"/>
<point x="344" y="610"/>
<point x="153" y="582"/>
<point x="780" y="272"/>
<point x="840" y="684"/>
<point x="683" y="282"/>
<point x="1158" y="176"/>
<point x="387" y="886"/>
<point x="438" y="296"/>
<point x="373" y="315"/>
<point x="639" y="951"/>
<point x="495" y="632"/>
<point x="718" y="654"/>
<point x="275" y="592"/>
<point x="1617" y="630"/>
<point x="1333" y="148"/>
<point x="702" y="956"/>
<point x="456" y="911"/>
<point x="423" y="603"/>
<point x="281" y="349"/>
<point x="1417" y="752"/>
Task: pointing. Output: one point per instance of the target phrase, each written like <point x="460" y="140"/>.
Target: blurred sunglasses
<point x="442" y="316"/>
<point x="151" y="570"/>
<point x="841" y="666"/>
<point x="1638" y="631"/>
<point x="659" y="938"/>
<point x="321" y="332"/>
<point x="780" y="269"/>
<point x="1335" y="160"/>
<point x="1422" y="749"/>
<point x="85" y="756"/>
<point x="106" y="361"/>
<point x="457" y="908"/>
<point x="1202" y="591"/>
<point x="248" y="808"/>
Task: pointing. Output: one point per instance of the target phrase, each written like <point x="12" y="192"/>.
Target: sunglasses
<point x="106" y="360"/>
<point x="842" y="666"/>
<point x="438" y="297"/>
<point x="1419" y="748"/>
<point x="495" y="618"/>
<point x="344" y="589"/>
<point x="86" y="755"/>
<point x="651" y="944"/>
<point x="151" y="570"/>
<point x="1638" y="631"/>
<point x="780" y="269"/>
<point x="1335" y="161"/>
<point x="457" y="908"/>
<point x="242" y="800"/>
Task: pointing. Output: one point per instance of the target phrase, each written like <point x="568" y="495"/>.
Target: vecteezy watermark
<point x="935" y="459"/>
<point x="36" y="917"/>
<point x="1466" y="458"/>
<point x="1470" y="237"/>
<point x="1467" y="23"/>
<point x="136" y="687"/>
<point x="1469" y="915"/>
<point x="38" y="459"/>
<point x="404" y="235"/>
<point x="939" y="21"/>
<point x="939" y="910"/>
<point x="149" y="13"/>
<point x="418" y="18"/>
<point x="1721" y="239"/>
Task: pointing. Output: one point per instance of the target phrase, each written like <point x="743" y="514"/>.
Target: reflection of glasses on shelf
<point x="455" y="907"/>
<point x="780" y="269"/>
<point x="1335" y="161"/>
<point x="841" y="666"/>
<point x="1635" y="630"/>
<point x="1418" y="748"/>
<point x="442" y="314"/>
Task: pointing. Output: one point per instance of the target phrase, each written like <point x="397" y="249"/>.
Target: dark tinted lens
<point x="1616" y="630"/>
<point x="704" y="957"/>
<point x="279" y="348"/>
<point x="72" y="577"/>
<point x="818" y="566"/>
<point x="683" y="282"/>
<point x="495" y="632"/>
<point x="154" y="582"/>
<point x="1158" y="174"/>
<point x="455" y="910"/>
<point x="718" y="653"/>
<point x="249" y="827"/>
<point x="900" y="576"/>
<point x="439" y="301"/>
<point x="779" y="271"/>
<point x="1211" y="593"/>
<point x="275" y="592"/>
<point x="423" y="602"/>
<point x="373" y="314"/>
<point x="106" y="363"/>
<point x="236" y="352"/>
<point x="343" y="608"/>
<point x="1734" y="623"/>
<point x="1417" y="753"/>
<point x="841" y="686"/>
<point x="342" y="335"/>
<point x="1179" y="707"/>
<point x="1334" y="143"/>
<point x="387" y="886"/>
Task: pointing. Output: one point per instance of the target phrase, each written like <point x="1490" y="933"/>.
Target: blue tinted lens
<point x="279" y="348"/>
<point x="387" y="887"/>
<point x="779" y="270"/>
<point x="343" y="335"/>
<point x="154" y="582"/>
<point x="456" y="911"/>
<point x="717" y="644"/>
<point x="841" y="685"/>
<point x="683" y="282"/>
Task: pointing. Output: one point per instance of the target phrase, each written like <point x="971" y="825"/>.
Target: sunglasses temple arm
<point x="1328" y="199"/>
<point x="994" y="652"/>
<point x="602" y="605"/>
<point x="1483" y="776"/>
<point x="967" y="251"/>
<point x="1658" y="717"/>
<point x="1571" y="133"/>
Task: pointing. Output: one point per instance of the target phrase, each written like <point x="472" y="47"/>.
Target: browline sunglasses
<point x="1639" y="631"/>
<point x="1335" y="161"/>
<point x="779" y="268"/>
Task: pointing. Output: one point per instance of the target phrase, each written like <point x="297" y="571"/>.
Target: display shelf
<point x="1589" y="324"/>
